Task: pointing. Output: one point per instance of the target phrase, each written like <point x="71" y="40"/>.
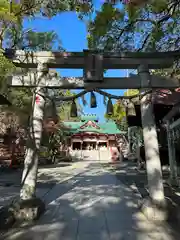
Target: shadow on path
<point x="128" y="175"/>
<point x="92" y="205"/>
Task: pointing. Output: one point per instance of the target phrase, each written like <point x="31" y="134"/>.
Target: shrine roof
<point x="92" y="126"/>
<point x="89" y="117"/>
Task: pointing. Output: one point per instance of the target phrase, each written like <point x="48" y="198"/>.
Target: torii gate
<point x="93" y="65"/>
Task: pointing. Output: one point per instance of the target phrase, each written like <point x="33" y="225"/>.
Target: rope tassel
<point x="110" y="108"/>
<point x="93" y="100"/>
<point x="73" y="111"/>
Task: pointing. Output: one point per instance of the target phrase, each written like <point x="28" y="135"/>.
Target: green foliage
<point x="12" y="35"/>
<point x="102" y="24"/>
<point x="8" y="13"/>
<point x="132" y="11"/>
<point x="41" y="41"/>
<point x="136" y="138"/>
<point x="7" y="20"/>
<point x="170" y="72"/>
<point x="153" y="27"/>
<point x="21" y="98"/>
<point x="159" y="6"/>
<point x="119" y="112"/>
<point x="6" y="67"/>
<point x="20" y="110"/>
<point x="122" y="124"/>
<point x="131" y="92"/>
<point x="49" y="8"/>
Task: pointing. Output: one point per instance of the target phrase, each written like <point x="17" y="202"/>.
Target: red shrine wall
<point x="83" y="141"/>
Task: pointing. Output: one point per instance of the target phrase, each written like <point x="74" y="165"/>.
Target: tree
<point x="21" y="98"/>
<point x="153" y="27"/>
<point x="13" y="35"/>
<point x="7" y="20"/>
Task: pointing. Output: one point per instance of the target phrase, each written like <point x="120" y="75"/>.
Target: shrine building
<point x="90" y="134"/>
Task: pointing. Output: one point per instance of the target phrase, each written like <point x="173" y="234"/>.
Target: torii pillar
<point x="153" y="163"/>
<point x="29" y="177"/>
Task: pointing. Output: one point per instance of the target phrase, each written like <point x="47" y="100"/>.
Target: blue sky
<point x="72" y="33"/>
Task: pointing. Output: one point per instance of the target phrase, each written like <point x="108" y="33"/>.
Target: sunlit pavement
<point x="48" y="176"/>
<point x="92" y="206"/>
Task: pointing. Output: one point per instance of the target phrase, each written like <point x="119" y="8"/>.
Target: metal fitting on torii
<point x="93" y="67"/>
<point x="145" y="76"/>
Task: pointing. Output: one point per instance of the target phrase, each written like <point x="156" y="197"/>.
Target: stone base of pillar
<point x="166" y="212"/>
<point x="173" y="182"/>
<point x="21" y="213"/>
<point x="27" y="210"/>
<point x="152" y="211"/>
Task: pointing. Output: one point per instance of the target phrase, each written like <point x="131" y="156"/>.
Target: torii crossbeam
<point x="93" y="65"/>
<point x="132" y="82"/>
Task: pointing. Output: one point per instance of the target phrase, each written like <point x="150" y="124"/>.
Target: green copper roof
<point x="105" y="128"/>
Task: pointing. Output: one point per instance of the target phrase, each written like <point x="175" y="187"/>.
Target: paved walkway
<point x="48" y="176"/>
<point x="93" y="205"/>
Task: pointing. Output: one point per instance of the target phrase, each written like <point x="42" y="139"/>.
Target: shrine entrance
<point x="93" y="64"/>
<point x="86" y="145"/>
<point x="102" y="145"/>
<point x="90" y="155"/>
<point x="76" y="146"/>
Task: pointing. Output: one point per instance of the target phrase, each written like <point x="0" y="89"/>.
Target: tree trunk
<point x="153" y="164"/>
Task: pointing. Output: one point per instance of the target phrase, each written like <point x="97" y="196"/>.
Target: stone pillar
<point x="29" y="176"/>
<point x="153" y="164"/>
<point x="129" y="140"/>
<point x="172" y="157"/>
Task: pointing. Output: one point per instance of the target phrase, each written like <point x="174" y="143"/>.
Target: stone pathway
<point x="92" y="205"/>
<point x="48" y="176"/>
